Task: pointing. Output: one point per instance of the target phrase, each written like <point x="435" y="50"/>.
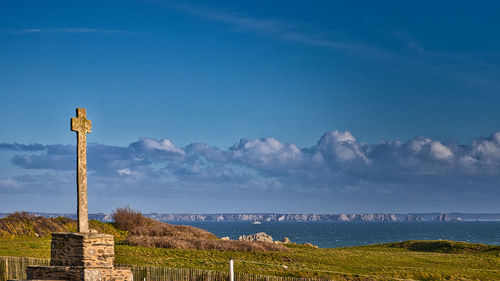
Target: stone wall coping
<point x="82" y="234"/>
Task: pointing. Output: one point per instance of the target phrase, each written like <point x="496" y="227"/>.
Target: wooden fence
<point x="15" y="268"/>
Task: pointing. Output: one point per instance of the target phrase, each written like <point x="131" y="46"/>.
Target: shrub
<point x="128" y="219"/>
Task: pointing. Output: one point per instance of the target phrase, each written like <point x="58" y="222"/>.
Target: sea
<point x="344" y="234"/>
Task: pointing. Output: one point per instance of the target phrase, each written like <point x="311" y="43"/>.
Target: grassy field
<point x="187" y="247"/>
<point x="420" y="260"/>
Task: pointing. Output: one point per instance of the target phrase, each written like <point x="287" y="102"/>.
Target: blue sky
<point x="258" y="106"/>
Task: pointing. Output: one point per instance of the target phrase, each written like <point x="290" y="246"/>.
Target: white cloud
<point x="128" y="172"/>
<point x="163" y="144"/>
<point x="341" y="146"/>
<point x="496" y="138"/>
<point x="439" y="151"/>
<point x="266" y="154"/>
<point x="8" y="183"/>
<point x="417" y="144"/>
<point x="339" y="136"/>
<point x="338" y="162"/>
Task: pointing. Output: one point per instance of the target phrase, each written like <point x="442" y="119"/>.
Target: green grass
<point x="445" y="246"/>
<point x="25" y="247"/>
<point x="421" y="260"/>
<point x="26" y="235"/>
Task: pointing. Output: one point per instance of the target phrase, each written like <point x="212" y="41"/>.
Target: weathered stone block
<point x="117" y="274"/>
<point x="82" y="249"/>
<point x="78" y="273"/>
<point x="74" y="273"/>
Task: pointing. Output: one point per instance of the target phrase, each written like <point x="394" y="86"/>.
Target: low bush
<point x="128" y="219"/>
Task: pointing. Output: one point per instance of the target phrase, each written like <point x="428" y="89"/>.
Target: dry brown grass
<point x="138" y="225"/>
<point x="23" y="224"/>
<point x="27" y="225"/>
<point x="201" y="244"/>
<point x="148" y="232"/>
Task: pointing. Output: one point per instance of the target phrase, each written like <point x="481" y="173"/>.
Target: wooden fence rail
<point x="15" y="268"/>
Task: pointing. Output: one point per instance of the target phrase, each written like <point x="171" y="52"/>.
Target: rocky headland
<point x="284" y="217"/>
<point x="273" y="217"/>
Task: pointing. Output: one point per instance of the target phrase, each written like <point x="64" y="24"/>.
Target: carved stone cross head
<point x="81" y="124"/>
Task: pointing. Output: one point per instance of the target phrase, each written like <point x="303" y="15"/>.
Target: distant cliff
<point x="270" y="217"/>
<point x="447" y="217"/>
<point x="283" y="217"/>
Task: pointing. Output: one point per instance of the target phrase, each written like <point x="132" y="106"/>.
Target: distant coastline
<point x="276" y="217"/>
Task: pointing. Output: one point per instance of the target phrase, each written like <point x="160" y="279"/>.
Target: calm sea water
<point x="342" y="234"/>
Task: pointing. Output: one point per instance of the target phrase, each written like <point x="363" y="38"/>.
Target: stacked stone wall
<point x="82" y="249"/>
<point x="81" y="257"/>
<point x="78" y="273"/>
<point x="73" y="273"/>
<point x="117" y="274"/>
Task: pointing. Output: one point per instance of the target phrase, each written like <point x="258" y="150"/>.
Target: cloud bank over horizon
<point x="337" y="169"/>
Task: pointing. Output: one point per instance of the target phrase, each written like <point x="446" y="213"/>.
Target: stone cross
<point x="81" y="126"/>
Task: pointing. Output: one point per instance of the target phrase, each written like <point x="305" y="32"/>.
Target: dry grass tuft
<point x="201" y="244"/>
<point x="23" y="224"/>
<point x="147" y="232"/>
<point x="138" y="225"/>
<point x="27" y="225"/>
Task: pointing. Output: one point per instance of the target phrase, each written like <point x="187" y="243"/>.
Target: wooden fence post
<point x="231" y="270"/>
<point x="6" y="268"/>
<point x="3" y="262"/>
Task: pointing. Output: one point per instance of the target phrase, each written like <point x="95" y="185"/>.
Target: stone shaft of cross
<point x="81" y="125"/>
